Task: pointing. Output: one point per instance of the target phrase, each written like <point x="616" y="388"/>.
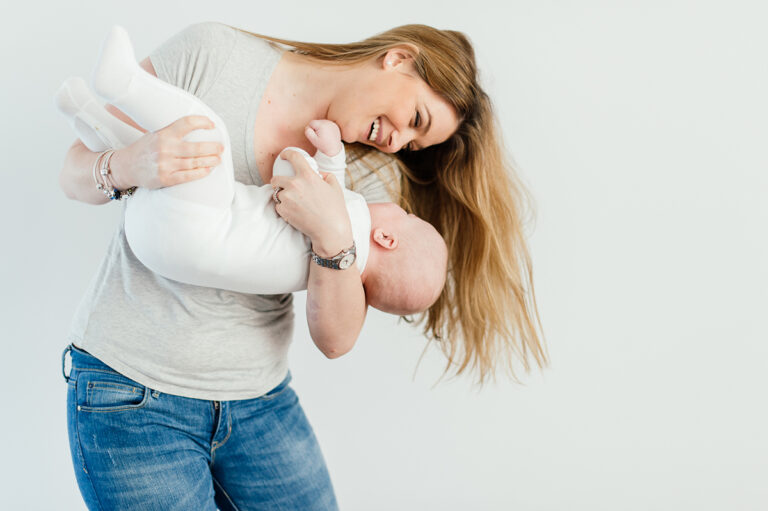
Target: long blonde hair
<point x="466" y="187"/>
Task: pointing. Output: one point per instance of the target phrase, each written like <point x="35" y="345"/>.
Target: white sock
<point x="154" y="104"/>
<point x="94" y="125"/>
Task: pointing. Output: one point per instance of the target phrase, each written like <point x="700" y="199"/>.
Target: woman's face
<point x="390" y="107"/>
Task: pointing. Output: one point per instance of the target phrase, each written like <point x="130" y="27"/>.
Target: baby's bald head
<point x="406" y="268"/>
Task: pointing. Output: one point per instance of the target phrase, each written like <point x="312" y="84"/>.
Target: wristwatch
<point x="340" y="261"/>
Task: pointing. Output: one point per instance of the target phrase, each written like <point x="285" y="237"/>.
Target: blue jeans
<point x="136" y="448"/>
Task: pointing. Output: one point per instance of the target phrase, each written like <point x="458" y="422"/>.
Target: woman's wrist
<point x="334" y="237"/>
<point x="120" y="171"/>
<point x="329" y="246"/>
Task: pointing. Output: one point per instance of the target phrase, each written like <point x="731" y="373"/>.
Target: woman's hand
<point x="314" y="205"/>
<point x="163" y="158"/>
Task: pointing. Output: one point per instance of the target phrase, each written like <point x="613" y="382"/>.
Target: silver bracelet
<point x="108" y="187"/>
<point x="96" y="166"/>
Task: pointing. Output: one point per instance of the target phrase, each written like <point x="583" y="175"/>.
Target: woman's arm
<point x="336" y="305"/>
<point x="76" y="177"/>
<point x="154" y="161"/>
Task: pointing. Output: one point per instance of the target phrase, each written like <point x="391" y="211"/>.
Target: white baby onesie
<point x="215" y="231"/>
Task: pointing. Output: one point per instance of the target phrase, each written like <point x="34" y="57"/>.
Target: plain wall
<point x="640" y="128"/>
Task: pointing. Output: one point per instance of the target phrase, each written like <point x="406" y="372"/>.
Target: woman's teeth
<point x="374" y="130"/>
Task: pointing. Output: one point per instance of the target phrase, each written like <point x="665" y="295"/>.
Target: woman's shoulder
<point x="193" y="57"/>
<point x="209" y="31"/>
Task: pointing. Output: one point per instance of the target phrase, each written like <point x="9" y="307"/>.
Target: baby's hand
<point x="325" y="136"/>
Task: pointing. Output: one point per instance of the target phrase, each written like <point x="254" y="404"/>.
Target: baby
<point x="218" y="232"/>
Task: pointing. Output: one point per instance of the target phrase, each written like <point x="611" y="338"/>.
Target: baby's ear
<point x="384" y="239"/>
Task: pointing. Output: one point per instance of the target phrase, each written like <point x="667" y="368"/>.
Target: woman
<point x="178" y="395"/>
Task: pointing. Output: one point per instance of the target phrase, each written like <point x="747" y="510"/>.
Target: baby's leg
<point x="98" y="129"/>
<point x="154" y="104"/>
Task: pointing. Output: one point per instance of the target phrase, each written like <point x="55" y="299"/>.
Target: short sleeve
<point x="374" y="175"/>
<point x="193" y="58"/>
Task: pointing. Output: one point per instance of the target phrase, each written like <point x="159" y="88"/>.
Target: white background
<point x="641" y="130"/>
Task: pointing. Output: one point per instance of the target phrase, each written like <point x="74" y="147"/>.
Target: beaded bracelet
<point x="107" y="186"/>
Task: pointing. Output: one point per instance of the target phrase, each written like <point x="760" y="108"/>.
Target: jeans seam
<point x="119" y="408"/>
<point x="84" y="369"/>
<point x="224" y="492"/>
<point x="80" y="453"/>
<point x="229" y="429"/>
<point x="219" y="444"/>
<point x="270" y="397"/>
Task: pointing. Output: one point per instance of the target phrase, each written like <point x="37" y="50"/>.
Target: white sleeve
<point x="336" y="165"/>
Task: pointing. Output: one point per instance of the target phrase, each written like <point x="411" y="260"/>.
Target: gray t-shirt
<point x="188" y="340"/>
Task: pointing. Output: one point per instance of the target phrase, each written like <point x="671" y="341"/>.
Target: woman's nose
<point x="399" y="139"/>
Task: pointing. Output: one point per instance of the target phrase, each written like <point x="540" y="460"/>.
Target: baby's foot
<point x="116" y="65"/>
<point x="97" y="128"/>
<point x="72" y="96"/>
<point x="325" y="136"/>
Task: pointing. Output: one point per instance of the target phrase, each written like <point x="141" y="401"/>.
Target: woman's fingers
<point x="330" y="179"/>
<point x="188" y="149"/>
<point x="197" y="162"/>
<point x="296" y="159"/>
<point x="281" y="181"/>
<point x="180" y="127"/>
<point x="185" y="176"/>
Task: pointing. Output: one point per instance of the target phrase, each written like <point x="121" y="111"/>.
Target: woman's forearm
<point x="336" y="308"/>
<point x="315" y="206"/>
<point x="76" y="177"/>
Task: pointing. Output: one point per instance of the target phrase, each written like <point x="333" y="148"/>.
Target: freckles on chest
<point x="264" y="157"/>
<point x="265" y="143"/>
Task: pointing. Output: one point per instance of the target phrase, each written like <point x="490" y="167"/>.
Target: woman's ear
<point x="385" y="239"/>
<point x="399" y="55"/>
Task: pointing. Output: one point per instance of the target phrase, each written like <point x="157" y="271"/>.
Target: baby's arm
<point x="330" y="157"/>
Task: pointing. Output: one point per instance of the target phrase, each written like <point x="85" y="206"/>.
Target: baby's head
<point x="406" y="267"/>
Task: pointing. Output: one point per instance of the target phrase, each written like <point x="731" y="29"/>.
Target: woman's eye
<point x="418" y="119"/>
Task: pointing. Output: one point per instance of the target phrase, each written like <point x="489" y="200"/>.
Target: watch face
<point x="346" y="261"/>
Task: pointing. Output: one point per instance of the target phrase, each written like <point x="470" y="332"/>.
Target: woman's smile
<point x="375" y="130"/>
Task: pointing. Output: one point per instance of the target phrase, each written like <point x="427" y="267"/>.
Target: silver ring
<point x="274" y="194"/>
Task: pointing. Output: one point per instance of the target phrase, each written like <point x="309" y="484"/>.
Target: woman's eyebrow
<point x="429" y="123"/>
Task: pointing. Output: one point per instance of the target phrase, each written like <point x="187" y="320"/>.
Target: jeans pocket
<point x="101" y="391"/>
<point x="281" y="387"/>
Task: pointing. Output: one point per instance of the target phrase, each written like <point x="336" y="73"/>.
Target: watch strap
<point x="333" y="262"/>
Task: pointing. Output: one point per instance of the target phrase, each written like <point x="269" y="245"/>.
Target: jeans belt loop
<point x="63" y="362"/>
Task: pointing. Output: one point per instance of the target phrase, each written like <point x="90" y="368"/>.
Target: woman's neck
<point x="299" y="91"/>
<point x="303" y="91"/>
